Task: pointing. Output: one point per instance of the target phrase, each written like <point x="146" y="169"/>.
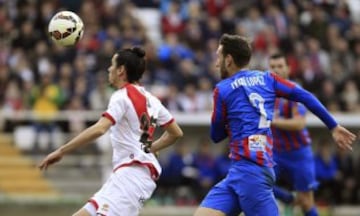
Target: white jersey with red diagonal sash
<point x="135" y="113"/>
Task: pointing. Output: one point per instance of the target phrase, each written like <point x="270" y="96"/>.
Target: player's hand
<point x="50" y="159"/>
<point x="343" y="138"/>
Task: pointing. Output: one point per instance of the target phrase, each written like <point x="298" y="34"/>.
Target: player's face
<point x="112" y="76"/>
<point x="220" y="63"/>
<point x="280" y="67"/>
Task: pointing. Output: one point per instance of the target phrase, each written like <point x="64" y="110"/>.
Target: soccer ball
<point x="66" y="28"/>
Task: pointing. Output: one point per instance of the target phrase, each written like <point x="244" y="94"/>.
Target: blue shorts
<point x="247" y="188"/>
<point x="298" y="168"/>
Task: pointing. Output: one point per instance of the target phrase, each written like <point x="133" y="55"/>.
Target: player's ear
<point x="228" y="60"/>
<point x="121" y="72"/>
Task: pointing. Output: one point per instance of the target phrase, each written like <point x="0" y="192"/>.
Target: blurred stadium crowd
<point x="321" y="40"/>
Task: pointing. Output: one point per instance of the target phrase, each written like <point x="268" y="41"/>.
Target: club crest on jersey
<point x="257" y="143"/>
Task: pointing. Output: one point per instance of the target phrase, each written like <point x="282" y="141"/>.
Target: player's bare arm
<point x="85" y="137"/>
<point x="171" y="134"/>
<point x="294" y="124"/>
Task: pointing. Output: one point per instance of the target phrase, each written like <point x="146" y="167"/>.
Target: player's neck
<point x="235" y="70"/>
<point x="121" y="84"/>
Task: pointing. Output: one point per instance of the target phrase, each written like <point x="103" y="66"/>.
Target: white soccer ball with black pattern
<point x="66" y="28"/>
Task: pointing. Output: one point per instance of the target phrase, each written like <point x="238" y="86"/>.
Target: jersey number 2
<point x="258" y="102"/>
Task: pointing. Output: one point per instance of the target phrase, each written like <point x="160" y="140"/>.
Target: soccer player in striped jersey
<point x="243" y="109"/>
<point x="132" y="116"/>
<point x="292" y="146"/>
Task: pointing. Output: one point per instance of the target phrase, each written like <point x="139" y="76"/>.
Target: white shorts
<point x="123" y="194"/>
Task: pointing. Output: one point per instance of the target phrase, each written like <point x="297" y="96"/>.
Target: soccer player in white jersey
<point x="132" y="116"/>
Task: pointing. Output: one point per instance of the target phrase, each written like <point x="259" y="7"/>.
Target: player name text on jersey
<point x="248" y="81"/>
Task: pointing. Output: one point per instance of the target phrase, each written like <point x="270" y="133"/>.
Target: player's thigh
<point x="258" y="199"/>
<point x="125" y="192"/>
<point x="254" y="186"/>
<point x="221" y="200"/>
<point x="303" y="175"/>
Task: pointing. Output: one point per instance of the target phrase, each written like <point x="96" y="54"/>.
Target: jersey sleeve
<point x="287" y="89"/>
<point x="218" y="121"/>
<point x="164" y="118"/>
<point x="116" y="109"/>
<point x="283" y="87"/>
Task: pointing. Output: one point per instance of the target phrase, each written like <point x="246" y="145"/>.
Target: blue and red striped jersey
<point x="243" y="110"/>
<point x="285" y="140"/>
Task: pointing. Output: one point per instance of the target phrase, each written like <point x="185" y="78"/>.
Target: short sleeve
<point x="116" y="108"/>
<point x="164" y="117"/>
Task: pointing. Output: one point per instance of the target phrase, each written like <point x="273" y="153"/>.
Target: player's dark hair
<point x="133" y="61"/>
<point x="238" y="47"/>
<point x="278" y="55"/>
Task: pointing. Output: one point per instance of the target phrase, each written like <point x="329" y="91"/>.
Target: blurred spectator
<point x="104" y="55"/>
<point x="327" y="172"/>
<point x="205" y="93"/>
<point x="342" y="54"/>
<point x="172" y="51"/>
<point x="319" y="59"/>
<point x="277" y="20"/>
<point x="27" y="37"/>
<point x="350" y="96"/>
<point x="189" y="100"/>
<point x="194" y="35"/>
<point x="46" y="100"/>
<point x="253" y="22"/>
<point x="172" y="100"/>
<point x="215" y="7"/>
<point x="212" y="28"/>
<point x="328" y="95"/>
<point x="13" y="100"/>
<point x="337" y="75"/>
<point x="77" y="121"/>
<point x="180" y="172"/>
<point x="101" y="93"/>
<point x="309" y="77"/>
<point x="340" y="17"/>
<point x="4" y="81"/>
<point x="318" y="24"/>
<point x="186" y="73"/>
<point x="228" y="20"/>
<point x="347" y="181"/>
<point x="173" y="21"/>
<point x="355" y="75"/>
